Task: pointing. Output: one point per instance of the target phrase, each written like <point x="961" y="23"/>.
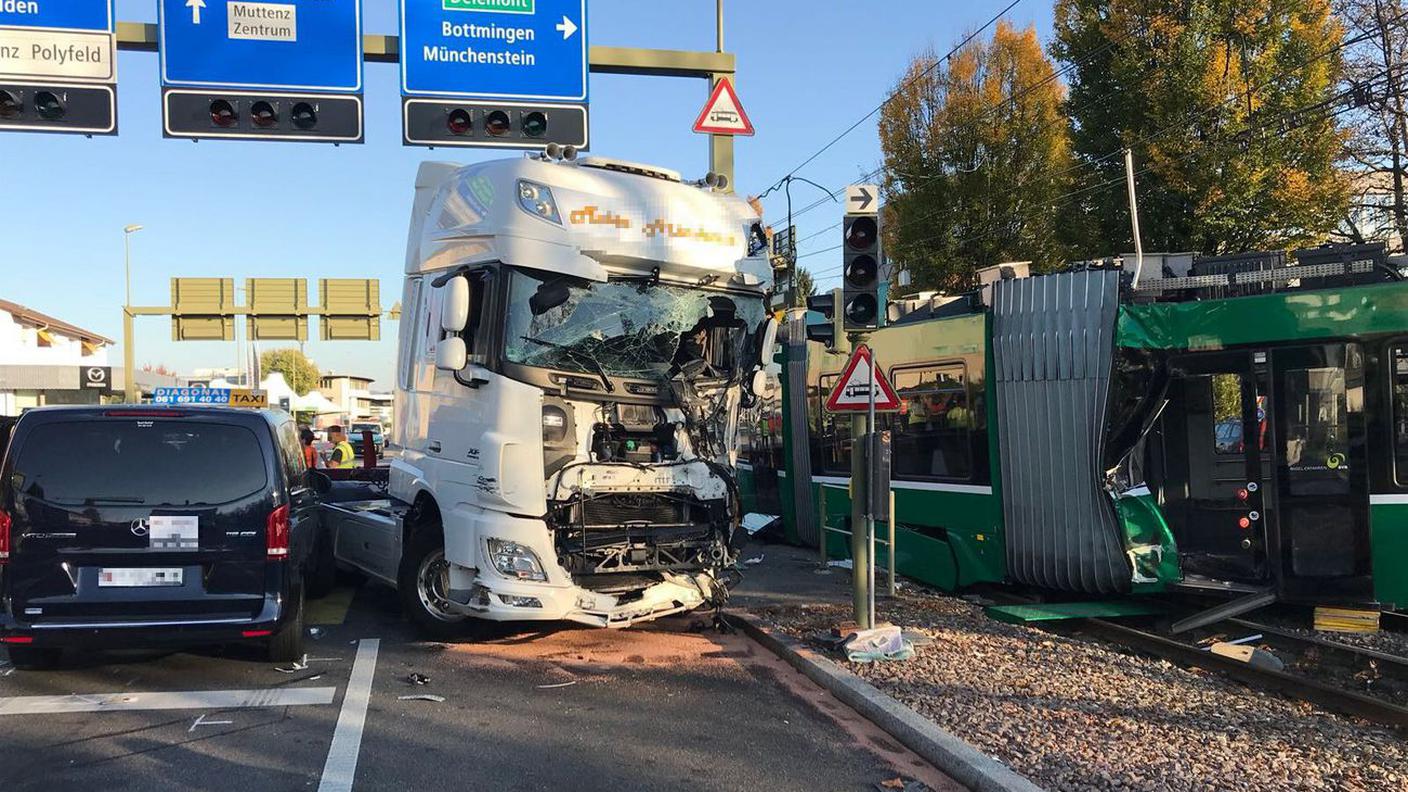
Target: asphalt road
<point x="666" y="707"/>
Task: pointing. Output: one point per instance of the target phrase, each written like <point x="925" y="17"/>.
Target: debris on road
<point x="885" y="642"/>
<point x="423" y="697"/>
<point x="754" y="561"/>
<point x="418" y="679"/>
<point x="301" y="665"/>
<point x="558" y="685"/>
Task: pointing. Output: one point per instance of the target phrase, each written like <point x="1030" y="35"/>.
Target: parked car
<point x="134" y="527"/>
<point x="355" y="436"/>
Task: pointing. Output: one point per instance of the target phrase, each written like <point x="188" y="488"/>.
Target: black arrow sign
<point x="865" y="199"/>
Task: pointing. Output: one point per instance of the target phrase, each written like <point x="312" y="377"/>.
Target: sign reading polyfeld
<point x="70" y="40"/>
<point x="495" y="49"/>
<point x="211" y="396"/>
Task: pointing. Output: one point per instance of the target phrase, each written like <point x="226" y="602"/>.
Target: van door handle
<point x="435" y="446"/>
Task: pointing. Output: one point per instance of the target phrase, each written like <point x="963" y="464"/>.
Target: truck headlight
<point x="537" y="200"/>
<point x="513" y="560"/>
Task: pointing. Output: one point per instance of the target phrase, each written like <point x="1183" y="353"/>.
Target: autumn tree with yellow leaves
<point x="1230" y="109"/>
<point x="975" y="146"/>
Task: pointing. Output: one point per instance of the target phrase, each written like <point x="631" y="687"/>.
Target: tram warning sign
<point x="852" y="391"/>
<point x="723" y="114"/>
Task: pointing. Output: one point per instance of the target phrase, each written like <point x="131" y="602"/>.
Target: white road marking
<point x="201" y="721"/>
<point x="192" y="699"/>
<point x="341" y="766"/>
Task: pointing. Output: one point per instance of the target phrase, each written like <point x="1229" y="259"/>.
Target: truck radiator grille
<point x="627" y="509"/>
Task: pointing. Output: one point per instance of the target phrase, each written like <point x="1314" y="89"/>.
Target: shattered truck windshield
<point x="628" y="328"/>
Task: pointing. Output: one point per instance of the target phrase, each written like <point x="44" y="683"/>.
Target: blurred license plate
<point x="131" y="578"/>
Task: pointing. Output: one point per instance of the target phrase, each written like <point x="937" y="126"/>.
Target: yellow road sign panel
<point x="249" y="398"/>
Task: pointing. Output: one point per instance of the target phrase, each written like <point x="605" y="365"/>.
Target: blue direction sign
<point x="495" y="49"/>
<point x="85" y="15"/>
<point x="294" y="45"/>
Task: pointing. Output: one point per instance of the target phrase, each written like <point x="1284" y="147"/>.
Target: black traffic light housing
<point x="860" y="272"/>
<point x="313" y="118"/>
<point x="75" y="109"/>
<point x="445" y="122"/>
<point x="832" y="334"/>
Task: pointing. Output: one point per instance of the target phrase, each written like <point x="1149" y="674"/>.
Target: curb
<point x="961" y="761"/>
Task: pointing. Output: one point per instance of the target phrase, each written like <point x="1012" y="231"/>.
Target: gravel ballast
<point x="1077" y="714"/>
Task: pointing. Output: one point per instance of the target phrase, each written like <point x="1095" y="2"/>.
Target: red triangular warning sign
<point x="852" y="391"/>
<point x="723" y="114"/>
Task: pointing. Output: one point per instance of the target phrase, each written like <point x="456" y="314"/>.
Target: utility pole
<point x="862" y="528"/>
<point x="129" y="354"/>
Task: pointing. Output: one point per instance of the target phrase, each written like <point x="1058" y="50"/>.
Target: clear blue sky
<point x="806" y="71"/>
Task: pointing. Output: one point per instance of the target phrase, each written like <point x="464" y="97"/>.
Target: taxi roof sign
<point x="852" y="392"/>
<point x="215" y="397"/>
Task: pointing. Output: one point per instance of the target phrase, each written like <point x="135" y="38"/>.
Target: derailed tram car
<point x="1236" y="425"/>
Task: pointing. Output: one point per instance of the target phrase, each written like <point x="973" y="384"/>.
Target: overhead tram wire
<point x="1197" y="113"/>
<point x="888" y="98"/>
<point x="1191" y="116"/>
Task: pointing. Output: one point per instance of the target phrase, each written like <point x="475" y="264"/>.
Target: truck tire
<point x="422" y="586"/>
<point x="286" y="645"/>
<point x="35" y="658"/>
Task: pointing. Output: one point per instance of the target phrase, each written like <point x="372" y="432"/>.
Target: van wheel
<point x="423" y="585"/>
<point x="322" y="572"/>
<point x="35" y="658"/>
<point x="286" y="646"/>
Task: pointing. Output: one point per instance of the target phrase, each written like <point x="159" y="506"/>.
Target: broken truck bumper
<point x="504" y="600"/>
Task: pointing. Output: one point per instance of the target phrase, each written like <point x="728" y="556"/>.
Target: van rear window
<point x="156" y="463"/>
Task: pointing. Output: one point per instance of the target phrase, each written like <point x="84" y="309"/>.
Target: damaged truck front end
<point x="590" y="361"/>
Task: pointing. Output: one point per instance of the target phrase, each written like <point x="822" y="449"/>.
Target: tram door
<point x="1322" y="500"/>
<point x="1217" y="463"/>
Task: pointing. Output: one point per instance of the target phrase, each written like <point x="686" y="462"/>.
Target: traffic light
<point x="831" y="333"/>
<point x="443" y="122"/>
<point x="80" y="109"/>
<point x="315" y="118"/>
<point x="860" y="274"/>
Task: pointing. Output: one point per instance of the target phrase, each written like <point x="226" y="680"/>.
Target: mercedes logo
<point x="139" y="528"/>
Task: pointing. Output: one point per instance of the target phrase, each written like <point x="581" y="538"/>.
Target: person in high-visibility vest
<point x="342" y="453"/>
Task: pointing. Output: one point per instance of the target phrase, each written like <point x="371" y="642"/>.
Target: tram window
<point x="932" y="432"/>
<point x="1400" y="415"/>
<point x="833" y="432"/>
<point x="1227" y="415"/>
<point x="1317" y="430"/>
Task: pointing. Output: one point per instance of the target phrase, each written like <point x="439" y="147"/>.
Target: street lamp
<point x="129" y="377"/>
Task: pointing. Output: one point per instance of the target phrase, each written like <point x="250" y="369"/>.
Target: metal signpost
<point x="58" y="66"/>
<point x="506" y="73"/>
<point x="863" y="390"/>
<point x="287" y="70"/>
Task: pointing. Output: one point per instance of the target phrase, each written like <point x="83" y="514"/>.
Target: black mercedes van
<point x="133" y="527"/>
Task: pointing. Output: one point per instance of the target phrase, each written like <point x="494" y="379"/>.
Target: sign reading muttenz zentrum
<point x="273" y="70"/>
<point x="58" y="66"/>
<point x="494" y="72"/>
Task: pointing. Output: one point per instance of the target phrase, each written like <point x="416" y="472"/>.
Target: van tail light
<point x="5" y="523"/>
<point x="276" y="536"/>
<point x="17" y="639"/>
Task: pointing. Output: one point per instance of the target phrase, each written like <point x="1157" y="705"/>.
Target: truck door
<point x="1216" y="455"/>
<point x="1322" y="492"/>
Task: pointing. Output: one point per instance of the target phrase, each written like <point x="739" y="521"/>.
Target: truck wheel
<point x="322" y="570"/>
<point x="286" y="645"/>
<point x="423" y="585"/>
<point x="35" y="658"/>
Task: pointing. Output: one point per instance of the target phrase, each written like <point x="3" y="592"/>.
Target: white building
<point x="44" y="360"/>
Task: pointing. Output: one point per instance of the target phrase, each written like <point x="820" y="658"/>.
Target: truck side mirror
<point x="759" y="385"/>
<point x="767" y="341"/>
<point x="454" y="310"/>
<point x="451" y="354"/>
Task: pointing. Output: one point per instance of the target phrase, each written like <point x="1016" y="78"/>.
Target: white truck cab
<point x="576" y="340"/>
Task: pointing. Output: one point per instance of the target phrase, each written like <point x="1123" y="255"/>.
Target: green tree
<point x="975" y="149"/>
<point x="1376" y="74"/>
<point x="1226" y="106"/>
<point x="299" y="372"/>
<point x="806" y="285"/>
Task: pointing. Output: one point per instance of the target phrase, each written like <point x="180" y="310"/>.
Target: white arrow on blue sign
<point x="288" y="45"/>
<point x="495" y="49"/>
